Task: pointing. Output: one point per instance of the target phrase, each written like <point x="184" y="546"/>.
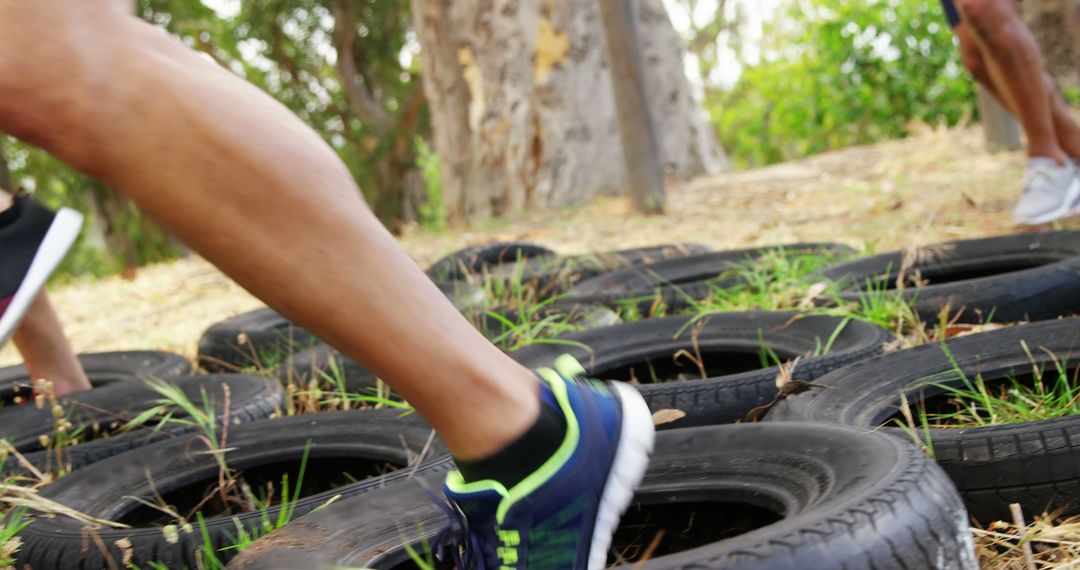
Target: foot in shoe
<point x="1051" y="192"/>
<point x="563" y="514"/>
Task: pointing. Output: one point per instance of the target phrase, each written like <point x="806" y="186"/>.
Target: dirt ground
<point x="936" y="185"/>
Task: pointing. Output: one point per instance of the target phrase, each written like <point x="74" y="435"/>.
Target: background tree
<point x="344" y="66"/>
<point x="843" y="72"/>
<point x="521" y="106"/>
<point x="1056" y="27"/>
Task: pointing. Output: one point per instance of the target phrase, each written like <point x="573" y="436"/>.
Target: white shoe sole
<point x="627" y="470"/>
<point x="1069" y="206"/>
<point x="58" y="241"/>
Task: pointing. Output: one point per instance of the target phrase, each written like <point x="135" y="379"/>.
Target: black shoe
<point x="33" y="240"/>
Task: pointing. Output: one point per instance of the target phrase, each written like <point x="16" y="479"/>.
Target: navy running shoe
<point x="563" y="515"/>
<point x="33" y="241"/>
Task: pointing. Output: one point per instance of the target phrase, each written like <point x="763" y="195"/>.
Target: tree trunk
<point x="1057" y="30"/>
<point x="643" y="167"/>
<point x="521" y="103"/>
<point x="1000" y="127"/>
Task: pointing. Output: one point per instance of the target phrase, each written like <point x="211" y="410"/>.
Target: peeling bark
<point x="522" y="108"/>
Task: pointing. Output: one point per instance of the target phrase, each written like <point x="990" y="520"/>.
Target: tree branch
<point x="361" y="101"/>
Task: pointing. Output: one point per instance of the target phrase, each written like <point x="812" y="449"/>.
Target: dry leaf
<point x="126" y="550"/>
<point x="960" y="329"/>
<point x="812" y="294"/>
<point x="662" y="417"/>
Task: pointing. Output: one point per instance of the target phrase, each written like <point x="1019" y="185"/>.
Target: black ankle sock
<point x="518" y="460"/>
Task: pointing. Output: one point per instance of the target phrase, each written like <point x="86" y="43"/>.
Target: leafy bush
<point x="837" y="73"/>
<point x="433" y="213"/>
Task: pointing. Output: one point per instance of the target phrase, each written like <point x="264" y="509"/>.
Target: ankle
<point x="502" y="412"/>
<point x="512" y="463"/>
<point x="1055" y="154"/>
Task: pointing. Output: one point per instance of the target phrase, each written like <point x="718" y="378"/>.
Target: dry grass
<point x="1052" y="543"/>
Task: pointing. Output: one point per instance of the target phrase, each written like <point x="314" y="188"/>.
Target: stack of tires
<point x="777" y="444"/>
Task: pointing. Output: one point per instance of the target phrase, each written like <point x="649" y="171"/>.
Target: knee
<point x="973" y="61"/>
<point x="987" y="17"/>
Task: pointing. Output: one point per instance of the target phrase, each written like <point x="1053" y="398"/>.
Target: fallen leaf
<point x="662" y="417"/>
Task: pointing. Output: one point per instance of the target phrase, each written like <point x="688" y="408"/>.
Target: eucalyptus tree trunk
<point x="636" y="129"/>
<point x="522" y="108"/>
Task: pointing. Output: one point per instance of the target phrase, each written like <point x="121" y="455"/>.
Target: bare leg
<point x="1015" y="67"/>
<point x="259" y="194"/>
<point x="41" y="341"/>
<point x="1065" y="126"/>
<point x="44" y="347"/>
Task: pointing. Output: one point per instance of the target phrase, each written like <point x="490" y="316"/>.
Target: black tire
<point x="549" y="276"/>
<point x="259" y="339"/>
<point x="326" y="367"/>
<point x="250" y="399"/>
<point x="729" y="343"/>
<point x="1012" y="278"/>
<point x="461" y="264"/>
<point x="102" y="368"/>
<point x="108" y="489"/>
<point x="262" y="339"/>
<point x="678" y="282"/>
<point x="113" y="404"/>
<point x="1036" y="464"/>
<point x="840" y="498"/>
<point x="493" y="324"/>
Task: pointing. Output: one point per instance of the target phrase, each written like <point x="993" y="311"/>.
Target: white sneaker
<point x="33" y="241"/>
<point x="1051" y="192"/>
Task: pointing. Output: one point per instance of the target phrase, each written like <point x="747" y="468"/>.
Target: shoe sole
<point x="1069" y="206"/>
<point x="58" y="241"/>
<point x="627" y="470"/>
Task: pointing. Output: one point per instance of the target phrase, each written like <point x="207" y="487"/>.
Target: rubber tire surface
<point x="848" y="498"/>
<point x="460" y="264"/>
<point x="1034" y="464"/>
<point x="492" y="326"/>
<point x="243" y="341"/>
<point x="105" y="488"/>
<point x="1048" y="290"/>
<point x="678" y="281"/>
<point x="102" y="368"/>
<point x="321" y="361"/>
<point x="250" y="399"/>
<point x="552" y="276"/>
<point x="113" y="404"/>
<point x="721" y="399"/>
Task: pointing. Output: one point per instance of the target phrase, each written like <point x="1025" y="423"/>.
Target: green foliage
<point x="973" y="402"/>
<point x="10" y="526"/>
<point x="433" y="213"/>
<point x="291" y="49"/>
<point x="843" y="72"/>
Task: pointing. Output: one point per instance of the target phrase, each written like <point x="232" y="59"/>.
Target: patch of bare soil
<point x="936" y="185"/>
